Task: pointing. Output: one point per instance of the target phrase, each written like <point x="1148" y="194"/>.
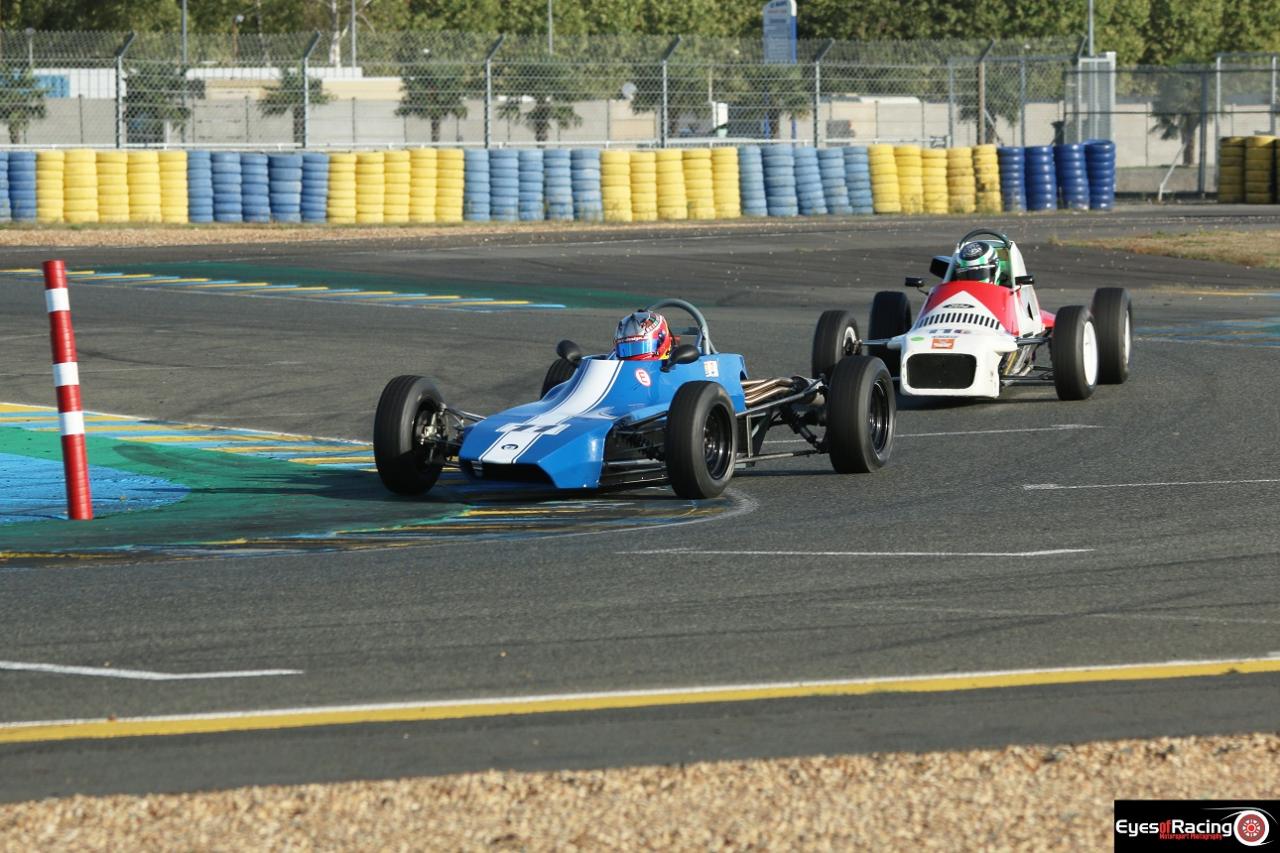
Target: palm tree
<point x="434" y="91"/>
<point x="548" y="89"/>
<point x="21" y="100"/>
<point x="287" y="97"/>
<point x="156" y="97"/>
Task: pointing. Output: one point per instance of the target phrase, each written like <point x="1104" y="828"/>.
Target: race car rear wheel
<point x="561" y="370"/>
<point x="701" y="440"/>
<point x="861" y="415"/>
<point x="836" y="336"/>
<point x="1113" y="319"/>
<point x="408" y="430"/>
<point x="1074" y="349"/>
<point x="890" y="317"/>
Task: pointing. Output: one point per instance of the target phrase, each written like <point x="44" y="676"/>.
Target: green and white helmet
<point x="976" y="261"/>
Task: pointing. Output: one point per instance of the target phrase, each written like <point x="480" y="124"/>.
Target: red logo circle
<point x="642" y="376"/>
<point x="1251" y="828"/>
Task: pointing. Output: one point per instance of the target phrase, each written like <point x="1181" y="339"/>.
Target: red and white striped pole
<point x="66" y="379"/>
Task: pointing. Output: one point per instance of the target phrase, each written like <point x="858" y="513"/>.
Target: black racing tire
<point x="405" y="465"/>
<point x="561" y="370"/>
<point x="701" y="440"/>
<point x="890" y="317"/>
<point x="862" y="413"/>
<point x="836" y="337"/>
<point x="1113" y="319"/>
<point x="1074" y="349"/>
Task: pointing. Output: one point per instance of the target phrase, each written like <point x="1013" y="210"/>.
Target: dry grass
<point x="1245" y="248"/>
<point x="1018" y="798"/>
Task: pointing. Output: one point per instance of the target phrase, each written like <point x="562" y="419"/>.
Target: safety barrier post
<point x="306" y="87"/>
<point x="488" y="89"/>
<point x="817" y="86"/>
<point x="124" y="48"/>
<point x="66" y="380"/>
<point x="666" y="57"/>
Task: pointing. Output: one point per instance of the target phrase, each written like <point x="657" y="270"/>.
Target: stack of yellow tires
<point x="934" y="165"/>
<point x="50" y="185"/>
<point x="1259" y="169"/>
<point x="725" y="183"/>
<point x="449" y="184"/>
<point x="962" y="190"/>
<point x="615" y="184"/>
<point x="80" y="186"/>
<point x="113" y="186"/>
<point x="673" y="202"/>
<point x="144" y="186"/>
<point x="397" y="174"/>
<point x="371" y="187"/>
<point x="1231" y="169"/>
<point x="644" y="186"/>
<point x="986" y="176"/>
<point x="422" y="185"/>
<point x="886" y="196"/>
<point x="910" y="178"/>
<point x="342" y="188"/>
<point x="699" y="183"/>
<point x="173" y="186"/>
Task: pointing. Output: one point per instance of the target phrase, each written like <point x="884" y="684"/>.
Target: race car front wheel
<point x="408" y="431"/>
<point x="1074" y="349"/>
<point x="836" y="336"/>
<point x="701" y="440"/>
<point x="561" y="370"/>
<point x="890" y="317"/>
<point x="861" y="415"/>
<point x="1113" y="319"/>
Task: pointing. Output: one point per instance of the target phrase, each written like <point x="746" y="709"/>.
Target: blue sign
<point x="779" y="32"/>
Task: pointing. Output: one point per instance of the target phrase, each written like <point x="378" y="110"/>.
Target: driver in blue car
<point x="643" y="336"/>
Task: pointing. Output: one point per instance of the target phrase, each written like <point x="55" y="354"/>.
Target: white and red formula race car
<point x="982" y="328"/>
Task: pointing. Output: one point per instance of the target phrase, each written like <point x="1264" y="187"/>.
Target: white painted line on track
<point x="140" y="674"/>
<point x="745" y="553"/>
<point x="1054" y="428"/>
<point x="1054" y="487"/>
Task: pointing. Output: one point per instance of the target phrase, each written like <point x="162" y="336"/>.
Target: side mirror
<point x="914" y="281"/>
<point x="1024" y="279"/>
<point x="939" y="266"/>
<point x="569" y="351"/>
<point x="683" y="354"/>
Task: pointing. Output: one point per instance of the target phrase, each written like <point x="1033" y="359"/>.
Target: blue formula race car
<point x="652" y="410"/>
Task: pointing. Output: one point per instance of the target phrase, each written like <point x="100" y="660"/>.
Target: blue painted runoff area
<point x="34" y="490"/>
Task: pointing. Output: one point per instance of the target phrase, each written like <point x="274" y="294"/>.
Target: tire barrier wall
<point x="857" y="177"/>
<point x="1100" y="165"/>
<point x="504" y="185"/>
<point x="1231" y="169"/>
<point x="532" y="178"/>
<point x="584" y="173"/>
<point x="780" y="180"/>
<point x="426" y="185"/>
<point x="751" y="192"/>
<point x="615" y="185"/>
<point x="809" y="195"/>
<point x="557" y="184"/>
<point x="1042" y="185"/>
<point x="1073" y="180"/>
<point x="1259" y="169"/>
<point x="255" y="188"/>
<point x="284" y="179"/>
<point x="1013" y="177"/>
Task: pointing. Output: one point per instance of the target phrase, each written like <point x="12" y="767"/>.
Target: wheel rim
<point x="879" y="419"/>
<point x="1127" y="340"/>
<point x="428" y="426"/>
<point x="849" y="343"/>
<point x="1089" y="353"/>
<point x="717" y="443"/>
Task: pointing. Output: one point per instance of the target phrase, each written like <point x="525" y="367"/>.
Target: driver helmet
<point x="642" y="336"/>
<point x="976" y="261"/>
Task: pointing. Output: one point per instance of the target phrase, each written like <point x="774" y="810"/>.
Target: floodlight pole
<point x="488" y="89"/>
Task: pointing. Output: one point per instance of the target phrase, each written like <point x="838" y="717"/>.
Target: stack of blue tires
<point x="1100" y="161"/>
<point x="226" y="186"/>
<point x="504" y="185"/>
<point x="834" y="188"/>
<point x="780" y="180"/>
<point x="809" y="193"/>
<point x="588" y="202"/>
<point x="475" y="185"/>
<point x="285" y="179"/>
<point x="1042" y="184"/>
<point x="5" y="212"/>
<point x="751" y="181"/>
<point x="1013" y="177"/>
<point x="199" y="186"/>
<point x="1073" y="180"/>
<point x="532" y="207"/>
<point x="22" y="186"/>
<point x="255" y="187"/>
<point x="315" y="187"/>
<point x="857" y="177"/>
<point x="557" y="184"/>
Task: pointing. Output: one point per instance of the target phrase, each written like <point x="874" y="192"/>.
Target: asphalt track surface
<point x="1166" y="546"/>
